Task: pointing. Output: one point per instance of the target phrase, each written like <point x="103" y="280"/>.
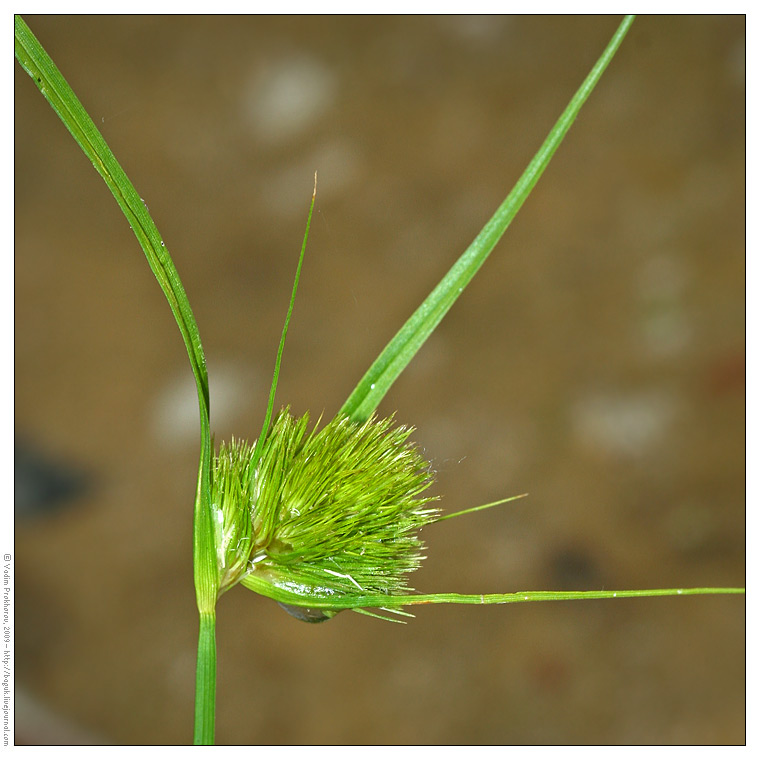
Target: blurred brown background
<point x="596" y="362"/>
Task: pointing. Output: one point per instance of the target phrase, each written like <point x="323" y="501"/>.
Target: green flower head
<point x="332" y="512"/>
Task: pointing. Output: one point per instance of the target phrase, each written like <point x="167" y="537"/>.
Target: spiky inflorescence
<point x="336" y="510"/>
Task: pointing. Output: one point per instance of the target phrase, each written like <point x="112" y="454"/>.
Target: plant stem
<point x="205" y="681"/>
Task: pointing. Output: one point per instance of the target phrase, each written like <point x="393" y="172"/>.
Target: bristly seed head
<point x="337" y="509"/>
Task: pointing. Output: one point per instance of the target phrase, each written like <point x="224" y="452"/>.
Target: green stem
<point x="205" y="681"/>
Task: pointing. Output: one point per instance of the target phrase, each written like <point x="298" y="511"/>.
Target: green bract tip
<point x="334" y="511"/>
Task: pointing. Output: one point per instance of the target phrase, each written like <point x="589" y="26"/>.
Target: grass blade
<point x="37" y="63"/>
<point x="278" y="360"/>
<point x="410" y="338"/>
<point x="315" y="600"/>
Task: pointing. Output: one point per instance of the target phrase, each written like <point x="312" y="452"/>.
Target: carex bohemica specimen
<point x="334" y="511"/>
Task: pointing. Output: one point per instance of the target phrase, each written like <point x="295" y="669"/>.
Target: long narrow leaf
<point x="40" y="67"/>
<point x="51" y="83"/>
<point x="324" y="601"/>
<point x="410" y="338"/>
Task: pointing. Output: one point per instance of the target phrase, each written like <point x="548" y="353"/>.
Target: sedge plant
<point x="324" y="517"/>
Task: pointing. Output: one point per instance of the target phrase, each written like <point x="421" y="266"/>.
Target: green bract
<point x="334" y="511"/>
